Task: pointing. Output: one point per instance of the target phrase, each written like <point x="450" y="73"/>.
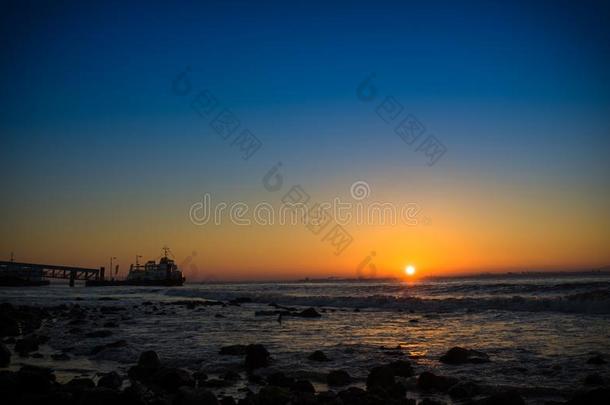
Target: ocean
<point x="538" y="330"/>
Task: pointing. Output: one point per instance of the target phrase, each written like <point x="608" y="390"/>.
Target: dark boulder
<point x="27" y="345"/>
<point x="462" y="390"/>
<point x="380" y="377"/>
<point x="273" y="396"/>
<point x="101" y="396"/>
<point x="338" y="378"/>
<point x="598" y="396"/>
<point x="113" y="345"/>
<point x="279" y="379"/>
<point x="110" y="380"/>
<point x="401" y="368"/>
<point x="303" y="386"/>
<point x="256" y="357"/>
<point x="459" y="355"/>
<point x="594" y="379"/>
<point x="309" y="313"/>
<point x="597" y="360"/>
<point x="35" y="380"/>
<point x="79" y="384"/>
<point x="318" y="355"/>
<point x="148" y="364"/>
<point x="194" y="396"/>
<point x="354" y="396"/>
<point x="5" y="355"/>
<point x="171" y="379"/>
<point x="233" y="350"/>
<point x="428" y="381"/>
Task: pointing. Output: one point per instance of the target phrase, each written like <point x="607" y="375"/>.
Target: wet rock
<point x="256" y="356"/>
<point x="599" y="396"/>
<point x="309" y="313"/>
<point x="194" y="396"/>
<point x="171" y="379"/>
<point x="102" y="333"/>
<point x="37" y="356"/>
<point x="279" y="379"/>
<point x="27" y="345"/>
<point x="273" y="396"/>
<point x="381" y="377"/>
<point x="101" y="396"/>
<point x="113" y="345"/>
<point x="5" y="355"/>
<point x="428" y="381"/>
<point x="233" y="350"/>
<point x="110" y="380"/>
<point x="597" y="360"/>
<point x="231" y="376"/>
<point x="338" y="378"/>
<point x="318" y="355"/>
<point x="36" y="380"/>
<point x="459" y="355"/>
<point x="354" y="395"/>
<point x="401" y="368"/>
<point x="200" y="378"/>
<point x="227" y="401"/>
<point x="462" y="390"/>
<point x="502" y="398"/>
<point x="303" y="386"/>
<point x="148" y="364"/>
<point x="594" y="379"/>
<point x="79" y="384"/>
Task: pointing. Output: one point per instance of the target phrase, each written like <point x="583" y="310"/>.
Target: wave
<point x="592" y="302"/>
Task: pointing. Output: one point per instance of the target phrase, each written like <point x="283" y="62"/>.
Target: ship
<point x="162" y="274"/>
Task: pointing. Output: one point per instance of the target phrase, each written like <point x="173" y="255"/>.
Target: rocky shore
<point x="150" y="380"/>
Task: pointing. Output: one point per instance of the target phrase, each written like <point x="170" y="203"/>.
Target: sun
<point x="410" y="270"/>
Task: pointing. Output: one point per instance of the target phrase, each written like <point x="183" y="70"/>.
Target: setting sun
<point x="410" y="270"/>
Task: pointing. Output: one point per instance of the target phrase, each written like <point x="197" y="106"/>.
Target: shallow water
<point x="538" y="331"/>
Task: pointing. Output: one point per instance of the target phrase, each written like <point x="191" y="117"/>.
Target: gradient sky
<point x="100" y="158"/>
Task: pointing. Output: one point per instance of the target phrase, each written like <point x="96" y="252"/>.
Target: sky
<point x="108" y="148"/>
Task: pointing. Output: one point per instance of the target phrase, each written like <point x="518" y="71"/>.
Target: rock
<point x="431" y="401"/>
<point x="318" y="355"/>
<point x="459" y="355"/>
<point x="113" y="345"/>
<point x="380" y="377"/>
<point x="428" y="381"/>
<point x="102" y="333"/>
<point x="35" y="380"/>
<point x="273" y="396"/>
<point x="171" y="379"/>
<point x="338" y="378"/>
<point x="101" y="396"/>
<point x="594" y="379"/>
<point x="231" y="376"/>
<point x="309" y="313"/>
<point x="233" y="350"/>
<point x="227" y="401"/>
<point x="200" y="378"/>
<point x="5" y="355"/>
<point x="462" y="390"/>
<point x="303" y="386"/>
<point x="110" y="380"/>
<point x="194" y="396"/>
<point x="256" y="357"/>
<point x="26" y="345"/>
<point x="503" y="398"/>
<point x="597" y="360"/>
<point x="110" y="324"/>
<point x="401" y="368"/>
<point x="148" y="364"/>
<point x="79" y="384"/>
<point x="279" y="379"/>
<point x="598" y="396"/>
<point x="354" y="395"/>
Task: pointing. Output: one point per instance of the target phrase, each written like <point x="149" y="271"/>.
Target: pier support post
<point x="102" y="271"/>
<point x="72" y="276"/>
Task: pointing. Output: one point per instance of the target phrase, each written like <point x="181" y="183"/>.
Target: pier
<point x="36" y="272"/>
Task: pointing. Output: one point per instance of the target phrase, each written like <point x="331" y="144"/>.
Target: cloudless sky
<point x="101" y="158"/>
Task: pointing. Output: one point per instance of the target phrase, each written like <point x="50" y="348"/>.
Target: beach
<point x="530" y="338"/>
